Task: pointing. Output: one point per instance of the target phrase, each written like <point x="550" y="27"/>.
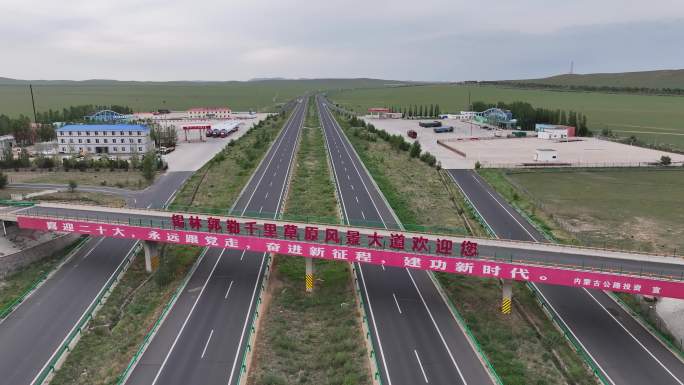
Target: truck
<point x="434" y="123"/>
<point x="439" y="130"/>
<point x="412" y="134"/>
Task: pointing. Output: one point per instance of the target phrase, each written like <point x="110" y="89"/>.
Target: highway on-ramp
<point x="204" y="336"/>
<point x="625" y="352"/>
<point x="416" y="337"/>
<point x="33" y="332"/>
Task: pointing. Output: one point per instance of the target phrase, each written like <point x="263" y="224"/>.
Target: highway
<point x="204" y="336"/>
<point x="416" y="337"/>
<point x="625" y="352"/>
<point x="31" y="334"/>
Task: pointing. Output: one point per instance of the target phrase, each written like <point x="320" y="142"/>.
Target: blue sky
<point x="406" y="40"/>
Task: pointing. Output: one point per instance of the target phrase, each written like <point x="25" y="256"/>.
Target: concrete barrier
<point x="12" y="262"/>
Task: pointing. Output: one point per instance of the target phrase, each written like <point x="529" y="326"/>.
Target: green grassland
<point x="641" y="79"/>
<point x="628" y="209"/>
<point x="260" y="95"/>
<point x="656" y="119"/>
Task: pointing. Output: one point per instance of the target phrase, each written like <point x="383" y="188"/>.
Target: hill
<point x="259" y="95"/>
<point x="644" y="79"/>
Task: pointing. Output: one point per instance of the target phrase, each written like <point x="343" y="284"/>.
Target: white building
<point x="7" y="143"/>
<point x="467" y="115"/>
<point x="209" y="113"/>
<point x="545" y="155"/>
<point x="553" y="133"/>
<point x="111" y="139"/>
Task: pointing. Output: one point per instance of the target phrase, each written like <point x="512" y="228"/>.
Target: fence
<point x="485" y="164"/>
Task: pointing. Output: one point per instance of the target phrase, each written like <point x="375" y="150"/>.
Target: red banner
<point x="393" y="258"/>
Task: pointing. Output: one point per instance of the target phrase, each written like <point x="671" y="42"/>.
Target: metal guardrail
<point x="123" y="377"/>
<point x="7" y="309"/>
<point x="364" y="318"/>
<point x="87" y="316"/>
<point x="548" y="309"/>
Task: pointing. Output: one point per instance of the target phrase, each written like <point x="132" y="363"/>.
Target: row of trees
<point x="588" y="88"/>
<point x="528" y="115"/>
<point x="369" y="132"/>
<point x="416" y="111"/>
<point x="77" y="113"/>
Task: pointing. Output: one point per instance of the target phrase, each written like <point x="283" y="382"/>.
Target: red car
<point x="412" y="134"/>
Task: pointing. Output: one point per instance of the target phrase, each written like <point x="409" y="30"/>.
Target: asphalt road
<point x="204" y="335"/>
<point x="624" y="351"/>
<point x="31" y="334"/>
<point x="414" y="332"/>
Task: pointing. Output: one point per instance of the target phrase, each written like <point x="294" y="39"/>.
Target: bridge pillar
<point x="151" y="255"/>
<point x="309" y="275"/>
<point x="507" y="294"/>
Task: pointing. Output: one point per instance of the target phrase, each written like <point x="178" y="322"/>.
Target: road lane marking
<point x="352" y="186"/>
<point x="357" y="198"/>
<point x="396" y="302"/>
<point x="633" y="337"/>
<point x="243" y="254"/>
<point x="187" y="318"/>
<point x="421" y="365"/>
<point x="266" y="196"/>
<point x="363" y="215"/>
<point x="432" y="318"/>
<point x="228" y="291"/>
<point x="539" y="291"/>
<point x="260" y="209"/>
<point x="347" y="176"/>
<point x="207" y="344"/>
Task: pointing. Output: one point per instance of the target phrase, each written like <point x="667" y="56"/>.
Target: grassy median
<point x="113" y="336"/>
<point x="215" y="186"/>
<point x="521" y="346"/>
<point x="132" y="179"/>
<point x="310" y="339"/>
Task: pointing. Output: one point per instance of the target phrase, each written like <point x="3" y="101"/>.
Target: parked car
<point x="442" y="129"/>
<point x="223" y="133"/>
<point x="209" y="133"/>
<point x="215" y="132"/>
<point x="434" y="123"/>
<point x="412" y="134"/>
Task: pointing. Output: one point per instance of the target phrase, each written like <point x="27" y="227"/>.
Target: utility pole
<point x="34" y="104"/>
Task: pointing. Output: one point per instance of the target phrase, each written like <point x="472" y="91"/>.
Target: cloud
<point x="241" y="39"/>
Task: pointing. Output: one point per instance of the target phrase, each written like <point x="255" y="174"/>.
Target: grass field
<point x="133" y="180"/>
<point x="656" y="119"/>
<point x="641" y="79"/>
<point x="310" y="339"/>
<point x="521" y="346"/>
<point x="628" y="209"/>
<point x="260" y="96"/>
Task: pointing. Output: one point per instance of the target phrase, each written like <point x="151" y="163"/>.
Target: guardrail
<point x="85" y="318"/>
<point x="586" y="357"/>
<point x="123" y="377"/>
<point x="7" y="309"/>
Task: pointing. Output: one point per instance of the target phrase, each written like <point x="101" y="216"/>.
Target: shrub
<point x="665" y="160"/>
<point x="3" y="180"/>
<point x="72" y="185"/>
<point x="477" y="165"/>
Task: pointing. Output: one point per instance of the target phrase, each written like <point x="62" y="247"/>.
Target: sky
<point x="429" y="40"/>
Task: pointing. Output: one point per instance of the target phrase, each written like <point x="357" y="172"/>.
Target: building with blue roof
<point x="109" y="139"/>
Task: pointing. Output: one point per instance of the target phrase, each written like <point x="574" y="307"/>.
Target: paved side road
<point x="416" y="336"/>
<point x="625" y="351"/>
<point x="204" y="336"/>
<point x="34" y="331"/>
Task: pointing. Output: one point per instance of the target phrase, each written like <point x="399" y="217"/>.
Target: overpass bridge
<point x="556" y="264"/>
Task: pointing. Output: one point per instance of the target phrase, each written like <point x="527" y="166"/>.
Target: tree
<point x="432" y="110"/>
<point x="437" y="112"/>
<point x="3" y="180"/>
<point x="72" y="185"/>
<point x="420" y="112"/>
<point x="414" y="151"/>
<point x="563" y="118"/>
<point x="665" y="160"/>
<point x="148" y="165"/>
<point x="135" y="161"/>
<point x="46" y="133"/>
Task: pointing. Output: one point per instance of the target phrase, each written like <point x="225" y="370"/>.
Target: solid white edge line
<point x="537" y="288"/>
<point x="187" y="318"/>
<point x="634" y="337"/>
<point x="421" y="366"/>
<point x="206" y="345"/>
<point x="84" y="312"/>
<point x="432" y="318"/>
<point x="244" y="327"/>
